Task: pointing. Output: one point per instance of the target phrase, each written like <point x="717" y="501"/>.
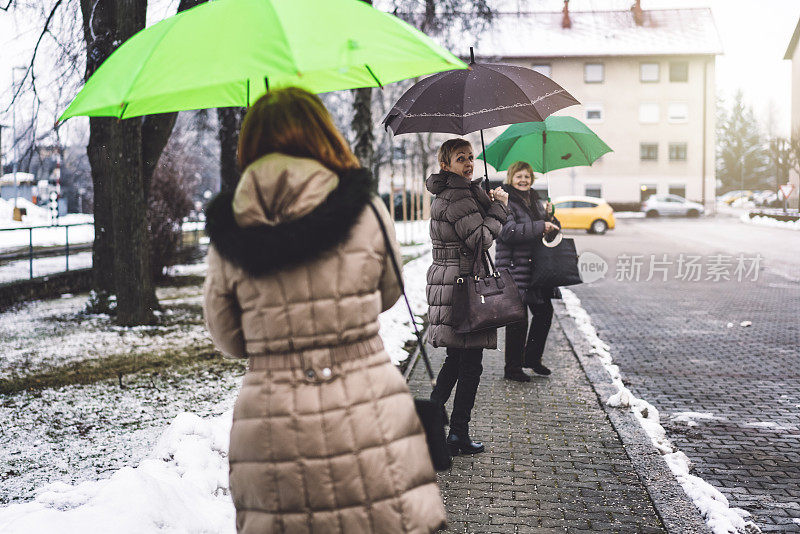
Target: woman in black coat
<point x="528" y="221"/>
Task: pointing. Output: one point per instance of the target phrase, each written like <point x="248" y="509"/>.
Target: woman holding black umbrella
<point x="528" y="221"/>
<point x="464" y="219"/>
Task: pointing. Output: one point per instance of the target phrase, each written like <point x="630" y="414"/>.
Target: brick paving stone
<point x="553" y="461"/>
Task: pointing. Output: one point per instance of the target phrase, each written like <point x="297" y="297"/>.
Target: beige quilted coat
<point x="325" y="436"/>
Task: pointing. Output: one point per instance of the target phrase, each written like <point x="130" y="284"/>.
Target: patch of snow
<point x="690" y="418"/>
<point x="771" y="424"/>
<point x="181" y="486"/>
<point x="746" y="323"/>
<point x="20" y="270"/>
<point x="719" y="516"/>
<point x="770" y="222"/>
<point x="396" y="328"/>
<point x="629" y="215"/>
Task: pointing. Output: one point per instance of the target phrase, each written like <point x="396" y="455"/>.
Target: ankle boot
<point x="462" y="444"/>
<point x="540" y="369"/>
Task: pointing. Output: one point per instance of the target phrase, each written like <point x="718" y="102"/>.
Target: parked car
<point x="584" y="213"/>
<point x="658" y="205"/>
<point x="732" y="196"/>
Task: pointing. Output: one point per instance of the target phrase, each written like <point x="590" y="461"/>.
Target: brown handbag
<point x="484" y="302"/>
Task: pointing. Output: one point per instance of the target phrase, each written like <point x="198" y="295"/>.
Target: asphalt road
<point x="729" y="395"/>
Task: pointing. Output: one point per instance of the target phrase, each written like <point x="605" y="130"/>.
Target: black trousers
<point x="461" y="369"/>
<point x="522" y="351"/>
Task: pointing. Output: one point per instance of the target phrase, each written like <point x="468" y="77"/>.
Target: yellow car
<point x="584" y="213"/>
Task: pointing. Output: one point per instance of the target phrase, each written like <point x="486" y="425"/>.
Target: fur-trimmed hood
<point x="286" y="211"/>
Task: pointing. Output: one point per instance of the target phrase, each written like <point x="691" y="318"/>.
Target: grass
<point x="117" y="366"/>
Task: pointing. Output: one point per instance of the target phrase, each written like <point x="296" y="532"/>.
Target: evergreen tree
<point x="742" y="157"/>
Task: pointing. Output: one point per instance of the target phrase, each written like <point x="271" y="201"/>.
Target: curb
<point x="677" y="512"/>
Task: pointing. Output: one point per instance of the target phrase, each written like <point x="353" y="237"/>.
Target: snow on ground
<point x="396" y="328"/>
<point x="691" y="418"/>
<point x="89" y="458"/>
<point x="769" y="221"/>
<point x="41" y="334"/>
<point x="20" y="270"/>
<point x="628" y="215"/>
<point x="713" y="505"/>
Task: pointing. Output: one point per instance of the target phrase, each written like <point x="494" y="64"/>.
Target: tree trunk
<point x="123" y="156"/>
<point x="103" y="248"/>
<point x="364" y="148"/>
<point x="230" y="121"/>
<point x="99" y="45"/>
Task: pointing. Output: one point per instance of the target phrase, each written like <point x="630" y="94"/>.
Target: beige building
<point x="646" y="83"/>
<point x="793" y="54"/>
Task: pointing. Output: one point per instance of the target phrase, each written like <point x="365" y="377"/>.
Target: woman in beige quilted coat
<point x="325" y="436"/>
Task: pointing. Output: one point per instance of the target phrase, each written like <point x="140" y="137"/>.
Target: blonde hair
<point x="516" y="167"/>
<point x="294" y="122"/>
<point x="449" y="148"/>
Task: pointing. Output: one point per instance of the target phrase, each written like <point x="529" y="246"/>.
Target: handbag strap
<point x="399" y="276"/>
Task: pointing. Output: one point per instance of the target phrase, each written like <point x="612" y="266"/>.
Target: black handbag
<point x="430" y="413"/>
<point x="484" y="302"/>
<point x="555" y="266"/>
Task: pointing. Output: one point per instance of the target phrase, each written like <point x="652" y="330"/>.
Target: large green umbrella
<point x="555" y="143"/>
<point x="229" y="52"/>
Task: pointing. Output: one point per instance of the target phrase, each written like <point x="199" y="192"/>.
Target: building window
<point x="648" y="151"/>
<point x="593" y="190"/>
<point x="679" y="71"/>
<point x="649" y="113"/>
<point x="678" y="112"/>
<point x="646" y="191"/>
<point x="545" y="69"/>
<point x="677" y="152"/>
<point x="678" y="189"/>
<point x="594" y="113"/>
<point x="648" y="72"/>
<point x="593" y="73"/>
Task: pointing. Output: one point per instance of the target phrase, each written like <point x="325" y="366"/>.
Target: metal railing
<point x="14" y="253"/>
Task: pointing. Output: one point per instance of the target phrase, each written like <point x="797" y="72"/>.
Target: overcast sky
<point x="754" y="34"/>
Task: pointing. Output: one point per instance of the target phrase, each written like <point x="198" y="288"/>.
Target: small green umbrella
<point x="229" y="52"/>
<point x="556" y="143"/>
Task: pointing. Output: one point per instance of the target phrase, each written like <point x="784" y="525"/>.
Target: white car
<point x="658" y="205"/>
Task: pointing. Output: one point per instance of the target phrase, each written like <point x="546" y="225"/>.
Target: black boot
<point x="518" y="375"/>
<point x="462" y="444"/>
<point x="540" y="369"/>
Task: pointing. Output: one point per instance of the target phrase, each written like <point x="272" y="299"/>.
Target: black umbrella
<point x="486" y="95"/>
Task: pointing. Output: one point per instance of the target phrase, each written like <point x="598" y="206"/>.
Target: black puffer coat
<point x="462" y="214"/>
<point x="521" y="234"/>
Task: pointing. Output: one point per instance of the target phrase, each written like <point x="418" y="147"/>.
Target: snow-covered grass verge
<point x="396" y="329"/>
<point x="770" y="222"/>
<point x="180" y="486"/>
<point x="720" y="517"/>
<point x="44" y="334"/>
<point x="78" y="433"/>
<point x="21" y="270"/>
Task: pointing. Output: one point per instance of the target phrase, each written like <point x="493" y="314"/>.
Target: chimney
<point x="565" y="21"/>
<point x="638" y="14"/>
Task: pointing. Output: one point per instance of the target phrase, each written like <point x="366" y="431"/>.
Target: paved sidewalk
<point x="554" y="462"/>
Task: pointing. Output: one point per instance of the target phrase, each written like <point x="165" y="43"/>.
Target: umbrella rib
<point x="373" y="76"/>
<point x="577" y="144"/>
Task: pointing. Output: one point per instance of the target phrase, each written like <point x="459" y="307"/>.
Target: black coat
<point x="521" y="234"/>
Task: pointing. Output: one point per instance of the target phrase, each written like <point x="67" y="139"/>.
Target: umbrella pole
<point x="485" y="166"/>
